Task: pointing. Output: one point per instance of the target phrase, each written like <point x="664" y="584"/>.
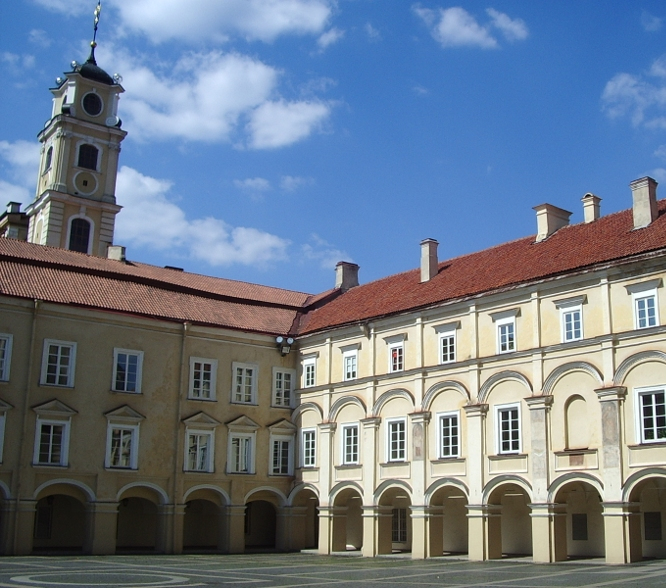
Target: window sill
<point x="138" y="393"/>
<point x="347" y="466"/>
<point x="501" y="456"/>
<point x="448" y="459"/>
<point x="198" y="471"/>
<point x="56" y="385"/>
<point x="197" y="399"/>
<point x="50" y="466"/>
<point x="396" y="463"/>
<point x="252" y="403"/>
<point x="120" y="469"/>
<point x="283" y="406"/>
<point x="240" y="473"/>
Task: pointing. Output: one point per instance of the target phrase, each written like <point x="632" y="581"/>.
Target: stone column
<point x="419" y="444"/>
<point x="164" y="539"/>
<point x="293" y="520"/>
<point x="420" y="532"/>
<point x="477" y="512"/>
<point x="370" y="460"/>
<point x="326" y="438"/>
<point x="370" y="530"/>
<point x="25" y="524"/>
<point x="549" y="532"/>
<point x="178" y="521"/>
<point x="104" y="526"/>
<point x="325" y="542"/>
<point x="235" y="528"/>
<point x="7" y="514"/>
<point x="485" y="531"/>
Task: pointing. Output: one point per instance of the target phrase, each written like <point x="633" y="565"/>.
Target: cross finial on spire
<point x="93" y="43"/>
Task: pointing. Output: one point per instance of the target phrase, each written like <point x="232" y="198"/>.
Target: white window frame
<point x="45" y="362"/>
<point x="139" y="370"/>
<point x="239" y="396"/>
<point x="639" y="394"/>
<point x="134" y="445"/>
<point x="5" y="356"/>
<point x="499" y="410"/>
<point x="400" y="454"/>
<point x="277" y="442"/>
<point x="567" y="308"/>
<point x="345" y="458"/>
<point x="500" y="325"/>
<point x="309" y="447"/>
<point x="454" y="451"/>
<point x="641" y="292"/>
<point x="449" y="336"/>
<point x="279" y="398"/>
<point x="249" y="457"/>
<point x="209" y="466"/>
<point x="309" y="372"/>
<point x="64" y="446"/>
<point x="196" y="393"/>
<point x="399" y="349"/>
<point x="349" y="360"/>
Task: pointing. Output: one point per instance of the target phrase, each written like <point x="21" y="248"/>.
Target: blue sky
<point x="269" y="139"/>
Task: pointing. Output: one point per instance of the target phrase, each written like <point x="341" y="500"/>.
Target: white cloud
<point x="372" y="32"/>
<point x="253" y="184"/>
<point x="640" y="97"/>
<point x="420" y="90"/>
<point x="650" y="22"/>
<point x="661" y="152"/>
<point x="659" y="174"/>
<point x="71" y="7"/>
<point x="208" y="239"/>
<point x="293" y="183"/>
<point x="216" y="20"/>
<point x="323" y="252"/>
<point x="276" y="124"/>
<point x="329" y="38"/>
<point x="17" y="63"/>
<point x="39" y="37"/>
<point x="455" y="27"/>
<point x="21" y="161"/>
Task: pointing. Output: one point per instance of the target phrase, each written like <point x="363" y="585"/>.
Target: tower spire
<point x="93" y="43"/>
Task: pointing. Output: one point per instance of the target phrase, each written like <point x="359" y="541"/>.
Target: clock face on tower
<point x="92" y="104"/>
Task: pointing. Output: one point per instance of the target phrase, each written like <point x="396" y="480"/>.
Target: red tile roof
<point x="572" y="248"/>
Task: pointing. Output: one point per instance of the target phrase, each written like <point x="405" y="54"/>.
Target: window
<point x="283" y="386"/>
<point x="240" y="454"/>
<point x="203" y="375"/>
<point x="644" y="299"/>
<point x="122" y="446"/>
<point x="281" y="460"/>
<point x="309" y="372"/>
<point x="5" y="356"/>
<point x="449" y="435"/>
<point x="399" y="526"/>
<point x="397" y="440"/>
<point x="58" y="363"/>
<point x="51" y="442"/>
<point x="506" y="335"/>
<point x="571" y="317"/>
<point x="652" y="525"/>
<point x="507" y="424"/>
<point x="245" y="383"/>
<point x="48" y="159"/>
<point x="127" y="370"/>
<point x="79" y="235"/>
<point x="652" y="415"/>
<point x="396" y="357"/>
<point x="199" y="448"/>
<point x="88" y="156"/>
<point x="447" y="346"/>
<point x="309" y="448"/>
<point x="349" y="444"/>
<point x="349" y="364"/>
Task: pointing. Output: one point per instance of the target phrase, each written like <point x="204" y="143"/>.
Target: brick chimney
<point x="346" y="275"/>
<point x="429" y="260"/>
<point x="549" y="219"/>
<point x="644" y="193"/>
<point x="591" y="208"/>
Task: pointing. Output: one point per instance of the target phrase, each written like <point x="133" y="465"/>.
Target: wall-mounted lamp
<point x="284" y="344"/>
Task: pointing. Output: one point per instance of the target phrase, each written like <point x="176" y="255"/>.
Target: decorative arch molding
<point x="384" y="486"/>
<point x="507" y="479"/>
<point x="301" y="408"/>
<point x="6" y="492"/>
<point x="632" y="361"/>
<point x="80" y="485"/>
<point x="635" y="479"/>
<point x="558" y="483"/>
<point x="225" y="497"/>
<point x="495" y="379"/>
<point x="282" y="499"/>
<point x="303" y="486"/>
<point x="333" y="494"/>
<point x="434" y="391"/>
<point x="341" y="402"/>
<point x="439" y="484"/>
<point x="163" y="496"/>
<point x="575" y="366"/>
<point x="91" y="235"/>
<point x="390" y="395"/>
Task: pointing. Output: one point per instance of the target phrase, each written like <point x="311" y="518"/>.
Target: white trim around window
<point x="349" y="444"/>
<point x="240" y="453"/>
<point x="508" y="430"/>
<point x="203" y="379"/>
<point x="283" y="387"/>
<point x="349" y="364"/>
<point x="122" y="446"/>
<point x="199" y="451"/>
<point x="645" y="303"/>
<point x="448" y="434"/>
<point x="396" y="440"/>
<point x="650" y="414"/>
<point x="127" y="370"/>
<point x="51" y="442"/>
<point x="6" y="341"/>
<point x="281" y="459"/>
<point x="309" y="448"/>
<point x="506" y="335"/>
<point x="58" y="363"/>
<point x="309" y="366"/>
<point x="396" y="357"/>
<point x="244" y="383"/>
<point x="571" y="318"/>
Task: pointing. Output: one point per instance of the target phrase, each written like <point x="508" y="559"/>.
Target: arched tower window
<point x="48" y="159"/>
<point x="79" y="235"/>
<point x="88" y="156"/>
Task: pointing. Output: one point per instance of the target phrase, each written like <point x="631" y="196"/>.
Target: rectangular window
<point x="646" y="311"/>
<point x="245" y="383"/>
<point x="399" y="526"/>
<point x="349" y="364"/>
<point x="203" y="375"/>
<point x="5" y="356"/>
<point x="199" y="451"/>
<point x="349" y="444"/>
<point x="397" y="440"/>
<point x="58" y="363"/>
<point x="127" y="371"/>
<point x="579" y="527"/>
<point x="449" y="434"/>
<point x="572" y="324"/>
<point x="506" y="335"/>
<point x="283" y="386"/>
<point x="508" y="429"/>
<point x="281" y="457"/>
<point x="309" y="448"/>
<point x="122" y="447"/>
<point x="447" y="346"/>
<point x="240" y="454"/>
<point x="652" y="416"/>
<point x="652" y="525"/>
<point x="51" y="443"/>
<point x="309" y="372"/>
<point x="396" y="357"/>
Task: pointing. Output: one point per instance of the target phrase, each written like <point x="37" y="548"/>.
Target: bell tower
<point x="75" y="203"/>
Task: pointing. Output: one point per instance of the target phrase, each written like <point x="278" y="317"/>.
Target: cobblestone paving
<point x="300" y="570"/>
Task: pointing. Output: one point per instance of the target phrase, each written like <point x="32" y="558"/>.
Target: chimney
<point x="346" y="275"/>
<point x="644" y="193"/>
<point x="13" y="207"/>
<point x="591" y="207"/>
<point x="116" y="252"/>
<point x="549" y="219"/>
<point x="429" y="260"/>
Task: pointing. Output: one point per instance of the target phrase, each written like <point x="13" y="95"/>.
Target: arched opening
<point x="48" y="159"/>
<point x="60" y="524"/>
<point x="398" y="526"/>
<point x="348" y="521"/>
<point x="650" y="494"/>
<point x="79" y="235"/>
<point x="448" y="522"/>
<point x="584" y="520"/>
<point x="576" y="423"/>
<point x="509" y="522"/>
<point x="260" y="526"/>
<point x="305" y="520"/>
<point x="137" y="525"/>
<point x="201" y="526"/>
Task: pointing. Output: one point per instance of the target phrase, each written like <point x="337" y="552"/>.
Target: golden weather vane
<point x="98" y="9"/>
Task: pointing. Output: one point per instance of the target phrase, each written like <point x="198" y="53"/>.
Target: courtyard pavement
<point x="299" y="570"/>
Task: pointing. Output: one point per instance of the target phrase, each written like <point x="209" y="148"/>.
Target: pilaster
<point x="476" y="417"/>
<point x="539" y="407"/>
